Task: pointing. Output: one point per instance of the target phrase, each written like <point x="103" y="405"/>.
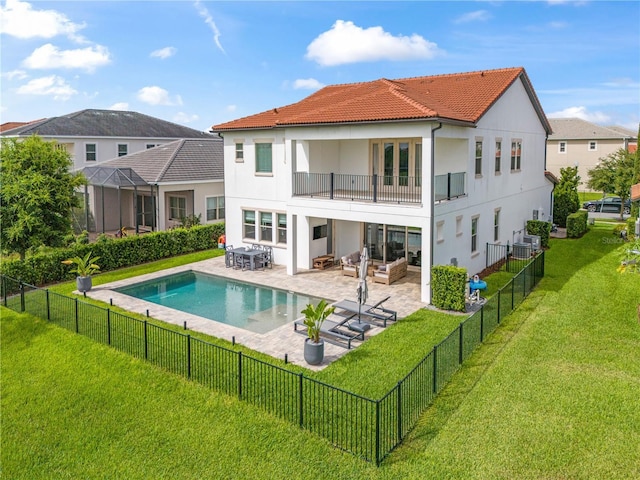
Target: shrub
<point x="48" y="268"/>
<point x="631" y="226"/>
<point x="543" y="229"/>
<point x="577" y="224"/>
<point x="448" y="287"/>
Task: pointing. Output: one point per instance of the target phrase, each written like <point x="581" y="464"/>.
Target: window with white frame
<point x="249" y="224"/>
<point x="90" y="152"/>
<point x="478" y="157"/>
<point x="239" y="152"/>
<point x="593" y="146"/>
<point x="418" y="164"/>
<point x="498" y="162"/>
<point x="562" y="147"/>
<point x="516" y="154"/>
<point x="266" y="227"/>
<point x="215" y="208"/>
<point x="458" y="225"/>
<point x="496" y="225"/>
<point x="264" y="161"/>
<point x="151" y="145"/>
<point x="123" y="149"/>
<point x="282" y="228"/>
<point x="177" y="208"/>
<point x="440" y="231"/>
<point x="474" y="234"/>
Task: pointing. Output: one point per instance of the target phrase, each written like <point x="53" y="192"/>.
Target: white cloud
<point x="307" y="84"/>
<point x="122" y="106"/>
<point x="20" y="20"/>
<point x="348" y="43"/>
<point x="477" y="16"/>
<point x="52" y="85"/>
<point x="163" y="53"/>
<point x="231" y="108"/>
<point x="49" y="56"/>
<point x="582" y="113"/>
<point x="208" y="19"/>
<point x="182" y="117"/>
<point x="158" y="96"/>
<point x="15" y="75"/>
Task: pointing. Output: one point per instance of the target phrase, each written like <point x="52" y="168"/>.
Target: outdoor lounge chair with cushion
<point x="371" y="313"/>
<point x="341" y="332"/>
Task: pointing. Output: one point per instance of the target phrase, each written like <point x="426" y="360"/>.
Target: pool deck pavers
<point x="329" y="284"/>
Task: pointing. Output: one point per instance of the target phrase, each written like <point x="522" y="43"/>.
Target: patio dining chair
<point x="228" y="256"/>
<point x="268" y="256"/>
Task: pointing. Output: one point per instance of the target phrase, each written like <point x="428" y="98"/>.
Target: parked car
<point x="608" y="205"/>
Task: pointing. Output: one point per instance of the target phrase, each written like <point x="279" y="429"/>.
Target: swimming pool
<point x="243" y="305"/>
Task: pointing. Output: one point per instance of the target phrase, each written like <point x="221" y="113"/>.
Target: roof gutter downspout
<point x="432" y="202"/>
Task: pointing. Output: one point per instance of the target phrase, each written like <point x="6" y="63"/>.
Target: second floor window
<point x="498" y="156"/>
<point x="122" y="149"/>
<point x="593" y="146"/>
<point x="562" y="147"/>
<point x="264" y="162"/>
<point x="239" y="152"/>
<point x="479" y="158"/>
<point x="90" y="150"/>
<point x="516" y="154"/>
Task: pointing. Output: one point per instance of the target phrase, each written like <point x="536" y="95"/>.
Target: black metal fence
<point x="366" y="427"/>
<point x="511" y="258"/>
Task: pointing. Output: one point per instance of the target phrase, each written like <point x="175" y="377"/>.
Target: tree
<point x="37" y="194"/>
<point x="565" y="195"/>
<point x="615" y="174"/>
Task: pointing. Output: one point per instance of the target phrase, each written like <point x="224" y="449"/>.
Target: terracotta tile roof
<point x="11" y="125"/>
<point x="635" y="192"/>
<point x="462" y="97"/>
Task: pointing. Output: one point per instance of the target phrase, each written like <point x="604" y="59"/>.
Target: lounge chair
<point x="371" y="313"/>
<point x="339" y="332"/>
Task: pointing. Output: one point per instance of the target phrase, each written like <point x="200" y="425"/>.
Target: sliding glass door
<point x="387" y="243"/>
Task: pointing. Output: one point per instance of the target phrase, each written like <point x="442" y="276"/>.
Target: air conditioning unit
<point x="533" y="240"/>
<point x="521" y="250"/>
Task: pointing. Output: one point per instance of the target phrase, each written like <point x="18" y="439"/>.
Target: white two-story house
<point x="428" y="168"/>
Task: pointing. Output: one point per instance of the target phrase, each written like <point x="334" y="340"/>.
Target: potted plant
<point x="314" y="316"/>
<point x="84" y="267"/>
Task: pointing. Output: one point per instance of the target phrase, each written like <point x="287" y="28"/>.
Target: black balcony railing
<point x="374" y="188"/>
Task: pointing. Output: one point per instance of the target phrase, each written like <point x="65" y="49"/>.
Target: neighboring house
<point x="156" y="188"/>
<point x="428" y="168"/>
<point x="11" y="125"/>
<point x="576" y="142"/>
<point x="95" y="136"/>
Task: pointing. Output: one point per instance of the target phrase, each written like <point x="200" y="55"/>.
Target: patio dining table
<point x="250" y="253"/>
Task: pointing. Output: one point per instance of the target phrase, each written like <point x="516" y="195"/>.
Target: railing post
<point x="435" y="369"/>
<point x="48" y="306"/>
<point x="300" y="399"/>
<point x="146" y="341"/>
<point x="482" y="324"/>
<point x="448" y="186"/>
<point x="240" y="375"/>
<point x="188" y="356"/>
<point x="513" y="287"/>
<point x="108" y="326"/>
<point x="399" y="387"/>
<point x="377" y="432"/>
<point x="77" y="323"/>
<point x="22" y="302"/>
<point x="375" y="187"/>
<point x="4" y="290"/>
<point x="499" y="293"/>
<point x="461" y="349"/>
<point x="331" y="184"/>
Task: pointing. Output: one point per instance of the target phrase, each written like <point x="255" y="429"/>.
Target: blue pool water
<point x="254" y="308"/>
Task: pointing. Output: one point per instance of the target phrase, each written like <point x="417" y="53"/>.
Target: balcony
<point x="375" y="188"/>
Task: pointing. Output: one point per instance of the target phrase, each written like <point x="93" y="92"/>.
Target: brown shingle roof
<point x="462" y="97"/>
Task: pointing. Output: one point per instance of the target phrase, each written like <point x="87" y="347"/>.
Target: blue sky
<point x="199" y="63"/>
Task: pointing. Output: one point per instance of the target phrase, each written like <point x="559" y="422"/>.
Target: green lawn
<point x="553" y="393"/>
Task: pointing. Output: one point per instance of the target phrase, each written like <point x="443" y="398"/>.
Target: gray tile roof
<point x="578" y="129"/>
<point x="186" y="160"/>
<point x="106" y="123"/>
<point x="624" y="131"/>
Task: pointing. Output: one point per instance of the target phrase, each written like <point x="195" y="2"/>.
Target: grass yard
<point x="553" y="393"/>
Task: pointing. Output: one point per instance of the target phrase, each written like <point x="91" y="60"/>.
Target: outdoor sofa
<point x="350" y="264"/>
<point x="390" y="272"/>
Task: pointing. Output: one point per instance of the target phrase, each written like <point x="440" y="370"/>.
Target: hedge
<point x="577" y="224"/>
<point x="47" y="268"/>
<point x="543" y="229"/>
<point x="448" y="284"/>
